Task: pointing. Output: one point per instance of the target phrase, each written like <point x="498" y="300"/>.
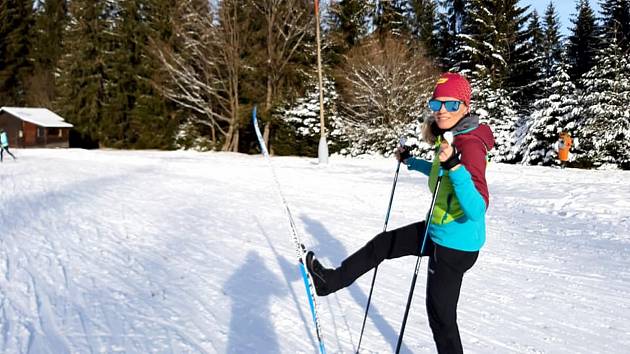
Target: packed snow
<point x="188" y="252"/>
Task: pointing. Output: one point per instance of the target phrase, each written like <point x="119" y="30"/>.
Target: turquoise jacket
<point x="4" y="140"/>
<point x="458" y="220"/>
<point x="468" y="232"/>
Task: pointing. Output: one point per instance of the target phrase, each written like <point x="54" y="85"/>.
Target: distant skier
<point x="564" y="147"/>
<point x="4" y="145"/>
<point x="457" y="229"/>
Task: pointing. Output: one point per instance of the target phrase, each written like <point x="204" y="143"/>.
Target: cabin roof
<point x="38" y="116"/>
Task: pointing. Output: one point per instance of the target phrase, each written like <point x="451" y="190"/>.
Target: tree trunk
<point x="235" y="141"/>
<point x="214" y="136"/>
<point x="229" y="137"/>
<point x="268" y="98"/>
<point x="235" y="114"/>
<point x="266" y="134"/>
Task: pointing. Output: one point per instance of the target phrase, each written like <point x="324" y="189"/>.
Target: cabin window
<point x="21" y="133"/>
<point x="54" y="131"/>
<point x="40" y="132"/>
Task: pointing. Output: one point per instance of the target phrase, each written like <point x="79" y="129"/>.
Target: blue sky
<point x="565" y="8"/>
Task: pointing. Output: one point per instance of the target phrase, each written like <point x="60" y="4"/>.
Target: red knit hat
<point x="453" y="85"/>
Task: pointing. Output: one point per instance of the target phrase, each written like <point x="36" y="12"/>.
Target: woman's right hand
<point x="402" y="153"/>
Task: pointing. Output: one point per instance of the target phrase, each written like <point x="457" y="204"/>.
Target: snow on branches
<point x="605" y="125"/>
<point x="384" y="89"/>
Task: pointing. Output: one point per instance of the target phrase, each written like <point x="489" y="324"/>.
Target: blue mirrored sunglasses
<point x="451" y="106"/>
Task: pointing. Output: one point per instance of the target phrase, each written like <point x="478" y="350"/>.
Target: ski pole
<point x="389" y="208"/>
<point x="449" y="137"/>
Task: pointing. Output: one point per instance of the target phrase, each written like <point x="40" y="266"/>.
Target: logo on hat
<point x="442" y="80"/>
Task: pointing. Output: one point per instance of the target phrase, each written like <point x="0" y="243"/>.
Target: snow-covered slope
<point x="184" y="252"/>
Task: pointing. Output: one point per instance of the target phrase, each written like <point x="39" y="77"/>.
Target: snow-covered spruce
<point x="302" y="116"/>
<point x="496" y="108"/>
<point x="604" y="130"/>
<point x="552" y="114"/>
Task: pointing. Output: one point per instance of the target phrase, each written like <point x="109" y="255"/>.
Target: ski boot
<point x="322" y="276"/>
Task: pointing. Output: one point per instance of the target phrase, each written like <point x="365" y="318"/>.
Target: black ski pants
<point x="2" y="149"/>
<point x="445" y="273"/>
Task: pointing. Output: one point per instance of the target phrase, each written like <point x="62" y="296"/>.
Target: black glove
<point x="451" y="161"/>
<point x="402" y="153"/>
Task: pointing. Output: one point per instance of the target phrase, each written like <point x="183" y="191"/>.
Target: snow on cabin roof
<point x="39" y="116"/>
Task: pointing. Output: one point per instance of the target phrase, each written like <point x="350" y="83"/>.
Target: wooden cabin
<point x="34" y="127"/>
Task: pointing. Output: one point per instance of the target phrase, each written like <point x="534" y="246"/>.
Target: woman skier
<point x="457" y="227"/>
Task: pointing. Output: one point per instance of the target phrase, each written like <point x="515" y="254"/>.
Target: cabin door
<point x="30" y="134"/>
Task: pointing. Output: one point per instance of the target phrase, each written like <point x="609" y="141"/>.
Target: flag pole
<point x="322" y="151"/>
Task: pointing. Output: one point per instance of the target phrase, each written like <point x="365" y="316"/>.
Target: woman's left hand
<point x="446" y="151"/>
<point x="449" y="156"/>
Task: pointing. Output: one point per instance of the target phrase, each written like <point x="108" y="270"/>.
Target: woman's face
<point x="446" y="120"/>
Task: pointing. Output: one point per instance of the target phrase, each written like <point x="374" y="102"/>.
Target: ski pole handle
<point x="448" y="136"/>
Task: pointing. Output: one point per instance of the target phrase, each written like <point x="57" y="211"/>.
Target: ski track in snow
<point x="185" y="252"/>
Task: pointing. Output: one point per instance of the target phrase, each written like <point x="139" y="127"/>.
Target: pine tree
<point x="526" y="74"/>
<point x="347" y="25"/>
<point x="124" y="59"/>
<point x="450" y="23"/>
<point x="135" y="114"/>
<point x="493" y="46"/>
<point x="570" y="105"/>
<point x="50" y="20"/>
<point x="552" y="114"/>
<point x="495" y="107"/>
<point x="16" y="19"/>
<point x="616" y="21"/>
<point x="491" y="38"/>
<point x="455" y="14"/>
<point x="390" y="18"/>
<point x="445" y="42"/>
<point x="302" y="120"/>
<point x="605" y="129"/>
<point x="552" y="47"/>
<point x="472" y="46"/>
<point x="583" y="42"/>
<point x="423" y="23"/>
<point x="83" y="67"/>
<point x="155" y="117"/>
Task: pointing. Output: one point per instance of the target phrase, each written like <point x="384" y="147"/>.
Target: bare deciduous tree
<point x="385" y="86"/>
<point x="202" y="68"/>
<point x="287" y="22"/>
